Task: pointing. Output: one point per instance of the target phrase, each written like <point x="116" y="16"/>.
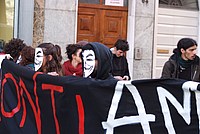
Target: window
<point x="90" y="1"/>
<point x="6" y="20"/>
<point x="183" y="4"/>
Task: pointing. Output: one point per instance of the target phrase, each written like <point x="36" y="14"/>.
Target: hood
<point x="104" y="57"/>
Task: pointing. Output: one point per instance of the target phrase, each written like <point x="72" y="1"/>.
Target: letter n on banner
<point x="184" y="110"/>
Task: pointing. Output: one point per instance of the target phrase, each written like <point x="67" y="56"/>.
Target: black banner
<point x="36" y="103"/>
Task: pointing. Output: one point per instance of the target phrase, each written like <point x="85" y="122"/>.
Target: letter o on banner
<point x="17" y="108"/>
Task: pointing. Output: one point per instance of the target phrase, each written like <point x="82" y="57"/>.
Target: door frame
<point x="198" y="53"/>
<point x="24" y="17"/>
<point x="16" y="18"/>
<point x="131" y="34"/>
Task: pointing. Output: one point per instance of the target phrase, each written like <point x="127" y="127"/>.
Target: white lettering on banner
<point x="197" y="94"/>
<point x="184" y="111"/>
<point x="142" y="118"/>
<point x="193" y="87"/>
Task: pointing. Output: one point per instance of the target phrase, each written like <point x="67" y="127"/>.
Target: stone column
<point x="131" y="35"/>
<point x="144" y="35"/>
<point x="60" y="22"/>
<point x="38" y="25"/>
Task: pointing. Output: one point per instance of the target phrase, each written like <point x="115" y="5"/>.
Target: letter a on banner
<point x="142" y="118"/>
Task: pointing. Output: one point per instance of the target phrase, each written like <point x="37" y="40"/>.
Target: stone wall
<point x="60" y="22"/>
<point x="144" y="36"/>
<point x="55" y="22"/>
<point x="38" y="24"/>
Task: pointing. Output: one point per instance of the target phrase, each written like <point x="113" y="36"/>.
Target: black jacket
<point x="120" y="66"/>
<point x="171" y="68"/>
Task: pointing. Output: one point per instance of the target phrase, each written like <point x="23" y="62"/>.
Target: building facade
<point x="153" y="27"/>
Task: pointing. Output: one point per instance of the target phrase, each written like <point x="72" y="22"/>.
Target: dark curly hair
<point x="53" y="65"/>
<point x="27" y="55"/>
<point x="121" y="44"/>
<point x="72" y="49"/>
<point x="14" y="47"/>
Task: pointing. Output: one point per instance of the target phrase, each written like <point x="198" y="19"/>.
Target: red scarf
<point x="71" y="70"/>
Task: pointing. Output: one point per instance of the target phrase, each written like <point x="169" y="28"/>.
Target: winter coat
<point x="171" y="68"/>
<point x="120" y="66"/>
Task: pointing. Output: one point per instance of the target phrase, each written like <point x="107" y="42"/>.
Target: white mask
<point x="38" y="58"/>
<point x="19" y="59"/>
<point x="88" y="62"/>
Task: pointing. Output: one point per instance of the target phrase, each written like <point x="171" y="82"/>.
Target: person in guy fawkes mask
<point x="97" y="61"/>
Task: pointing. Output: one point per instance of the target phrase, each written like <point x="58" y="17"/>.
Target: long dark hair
<point x="27" y="55"/>
<point x="53" y="65"/>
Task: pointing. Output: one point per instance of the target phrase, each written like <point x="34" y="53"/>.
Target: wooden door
<point x="100" y="23"/>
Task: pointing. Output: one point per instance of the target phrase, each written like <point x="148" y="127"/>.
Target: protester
<point x="73" y="66"/>
<point x="97" y="61"/>
<point x="14" y="48"/>
<point x="27" y="56"/>
<point x="49" y="59"/>
<point x="120" y="65"/>
<point x="184" y="63"/>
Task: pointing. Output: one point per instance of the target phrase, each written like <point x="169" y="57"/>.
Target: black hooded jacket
<point x="104" y="57"/>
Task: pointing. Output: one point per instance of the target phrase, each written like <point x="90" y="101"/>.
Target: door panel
<point x="87" y="25"/>
<point x="102" y="24"/>
<point x="114" y="26"/>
